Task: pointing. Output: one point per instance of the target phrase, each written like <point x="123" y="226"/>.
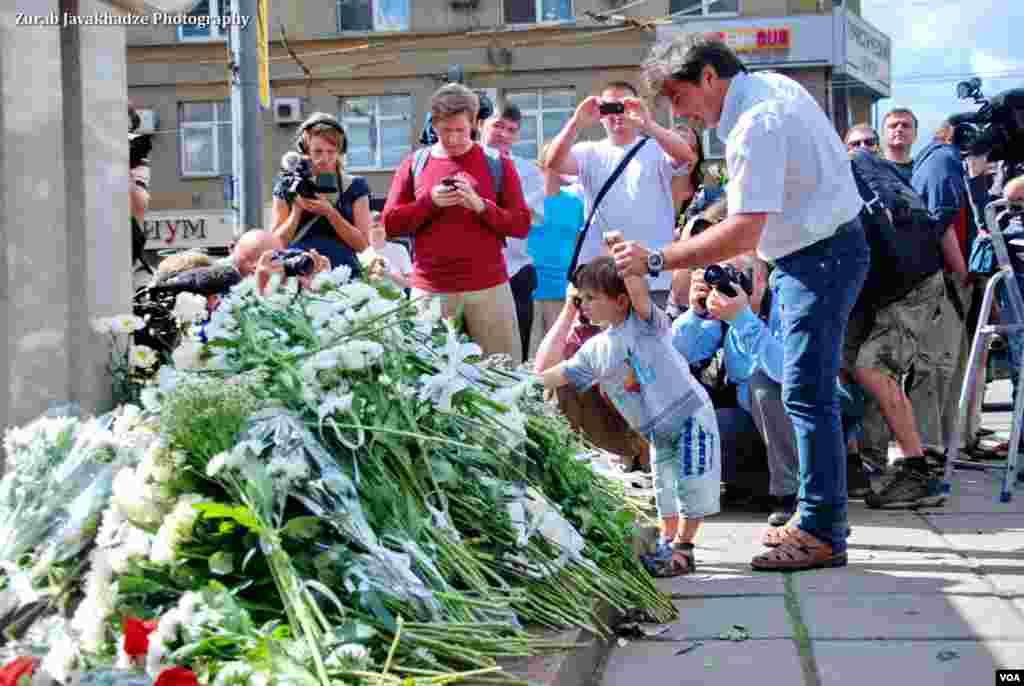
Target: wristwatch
<point x="655" y="263"/>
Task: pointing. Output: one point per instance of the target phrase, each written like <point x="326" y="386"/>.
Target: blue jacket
<point x="939" y="179"/>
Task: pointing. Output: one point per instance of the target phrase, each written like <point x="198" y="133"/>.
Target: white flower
<point x="142" y="356"/>
<point x="135" y="499"/>
<point x="358" y="292"/>
<point x="102" y="325"/>
<point x="189" y="307"/>
<point x="440" y="388"/>
<point x="165" y="632"/>
<point x="359" y="354"/>
<point x="100" y="597"/>
<point x="136" y="545"/>
<point x="188" y="355"/>
<point x="129" y="418"/>
<point x="126" y="323"/>
<point x="157" y="465"/>
<point x="63" y="655"/>
<point x="175" y="530"/>
<point x="338" y="276"/>
<point x="110" y="527"/>
<point x="227" y="460"/>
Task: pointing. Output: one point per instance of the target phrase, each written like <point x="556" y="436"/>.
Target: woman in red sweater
<point x="460" y="223"/>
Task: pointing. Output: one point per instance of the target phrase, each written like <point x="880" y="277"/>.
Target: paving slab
<point x="708" y="617"/>
<point x="723" y="580"/>
<point x="767" y="663"/>
<point x="983" y="536"/>
<point x="916" y="577"/>
<point x="945" y="663"/>
<point x="910" y="617"/>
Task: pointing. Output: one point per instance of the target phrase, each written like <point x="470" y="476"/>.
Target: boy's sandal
<point x="669" y="560"/>
<point x="797" y="552"/>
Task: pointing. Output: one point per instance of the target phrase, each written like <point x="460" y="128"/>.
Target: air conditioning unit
<point x="288" y="110"/>
<point x="149" y="121"/>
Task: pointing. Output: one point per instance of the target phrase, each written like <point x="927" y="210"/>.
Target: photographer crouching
<point x="316" y="205"/>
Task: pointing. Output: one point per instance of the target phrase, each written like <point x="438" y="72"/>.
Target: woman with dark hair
<point x="335" y="225"/>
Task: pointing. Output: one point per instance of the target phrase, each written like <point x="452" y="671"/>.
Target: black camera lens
<point x="611" y="108"/>
<point x="295" y="262"/>
<point x="718" y="277"/>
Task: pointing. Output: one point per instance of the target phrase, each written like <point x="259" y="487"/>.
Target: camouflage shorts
<point x="891" y="342"/>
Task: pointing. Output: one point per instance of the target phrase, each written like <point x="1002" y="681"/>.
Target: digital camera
<point x="295" y="262"/>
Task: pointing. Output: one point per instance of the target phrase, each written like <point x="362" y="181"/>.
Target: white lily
<point x="455" y="375"/>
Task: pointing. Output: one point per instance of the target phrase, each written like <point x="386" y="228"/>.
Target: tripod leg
<point x="981" y="336"/>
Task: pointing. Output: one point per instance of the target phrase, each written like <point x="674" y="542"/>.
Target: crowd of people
<point x="772" y="332"/>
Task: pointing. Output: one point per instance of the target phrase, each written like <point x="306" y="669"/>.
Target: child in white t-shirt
<point x="399" y="260"/>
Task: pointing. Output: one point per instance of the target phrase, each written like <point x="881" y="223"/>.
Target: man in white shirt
<point x="792" y="196"/>
<point x="639" y="202"/>
<point x="501" y="131"/>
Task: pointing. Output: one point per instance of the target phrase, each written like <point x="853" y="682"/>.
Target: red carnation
<point x="176" y="676"/>
<point x="136" y="635"/>
<point x="20" y="669"/>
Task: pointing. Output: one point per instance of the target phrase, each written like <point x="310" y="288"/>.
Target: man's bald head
<point x="250" y="246"/>
<point x="1014" y="190"/>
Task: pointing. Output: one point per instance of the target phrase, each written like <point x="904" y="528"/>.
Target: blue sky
<point x="936" y="43"/>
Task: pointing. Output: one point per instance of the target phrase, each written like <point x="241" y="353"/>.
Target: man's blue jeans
<point x="818" y="286"/>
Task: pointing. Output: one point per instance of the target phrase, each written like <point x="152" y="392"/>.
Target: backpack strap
<point x="497" y="167"/>
<point x="419" y="161"/>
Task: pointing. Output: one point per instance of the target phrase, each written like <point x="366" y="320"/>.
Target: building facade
<point x="374" y="63"/>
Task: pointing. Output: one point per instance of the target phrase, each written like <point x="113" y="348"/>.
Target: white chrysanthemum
<point x="90" y="619"/>
<point x="126" y="323"/>
<point x="135" y="545"/>
<point x="188" y="355"/>
<point x="157" y="465"/>
<point x="358" y="292"/>
<point x="142" y="356"/>
<point x="359" y="354"/>
<point x="189" y="307"/>
<point x="175" y="530"/>
<point x="136" y="500"/>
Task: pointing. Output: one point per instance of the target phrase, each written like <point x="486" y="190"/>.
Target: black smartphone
<point x="611" y="108"/>
<point x="448" y="181"/>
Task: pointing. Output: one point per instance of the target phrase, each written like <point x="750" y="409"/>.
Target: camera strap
<point x="582" y="235"/>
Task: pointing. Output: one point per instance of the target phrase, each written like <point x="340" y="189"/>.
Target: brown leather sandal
<point x="798" y="551"/>
<point x="775" y="536"/>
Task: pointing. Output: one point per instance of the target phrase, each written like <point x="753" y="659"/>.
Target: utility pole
<point x="246" y="121"/>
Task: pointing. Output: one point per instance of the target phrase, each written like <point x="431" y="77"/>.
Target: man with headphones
<point x="335" y="223"/>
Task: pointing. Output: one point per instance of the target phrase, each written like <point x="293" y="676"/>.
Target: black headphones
<point x="320" y="119"/>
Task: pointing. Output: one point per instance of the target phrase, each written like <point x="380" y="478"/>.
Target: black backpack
<point x="905" y="245"/>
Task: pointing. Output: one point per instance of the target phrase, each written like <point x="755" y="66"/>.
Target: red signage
<point x="750" y="40"/>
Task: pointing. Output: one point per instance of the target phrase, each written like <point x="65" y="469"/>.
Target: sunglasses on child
<point x="865" y="142"/>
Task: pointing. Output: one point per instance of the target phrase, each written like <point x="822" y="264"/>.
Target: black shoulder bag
<point x="582" y="235"/>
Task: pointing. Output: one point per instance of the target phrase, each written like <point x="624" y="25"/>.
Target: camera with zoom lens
<point x="996" y="129"/>
<point x="724" y="278"/>
<point x="299" y="180"/>
<point x="295" y="262"/>
<point x="606" y="108"/>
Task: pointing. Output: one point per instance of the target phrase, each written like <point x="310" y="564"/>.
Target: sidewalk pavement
<point x="934" y="596"/>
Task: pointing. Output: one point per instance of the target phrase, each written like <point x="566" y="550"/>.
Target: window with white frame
<point x="537" y="11"/>
<point x="704" y="8"/>
<point x="373" y="15"/>
<point x="204" y="135"/>
<point x="378" y="129"/>
<point x="208" y="27"/>
<point x="545" y="112"/>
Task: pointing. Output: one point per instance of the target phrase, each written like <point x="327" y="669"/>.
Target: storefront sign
<point x="868" y="54"/>
<point x="754" y="40"/>
<point x="178" y="229"/>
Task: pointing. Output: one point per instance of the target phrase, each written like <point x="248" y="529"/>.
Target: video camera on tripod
<point x="996" y="129"/>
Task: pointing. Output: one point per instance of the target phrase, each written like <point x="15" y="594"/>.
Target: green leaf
<point x="302" y="527"/>
<point x="444" y="472"/>
<point x="222" y="563"/>
<point x="130" y="585"/>
<point x="240" y="514"/>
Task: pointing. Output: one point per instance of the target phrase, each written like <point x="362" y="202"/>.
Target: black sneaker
<point x="785" y="506"/>
<point x="905" y="488"/>
<point x="857" y="483"/>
